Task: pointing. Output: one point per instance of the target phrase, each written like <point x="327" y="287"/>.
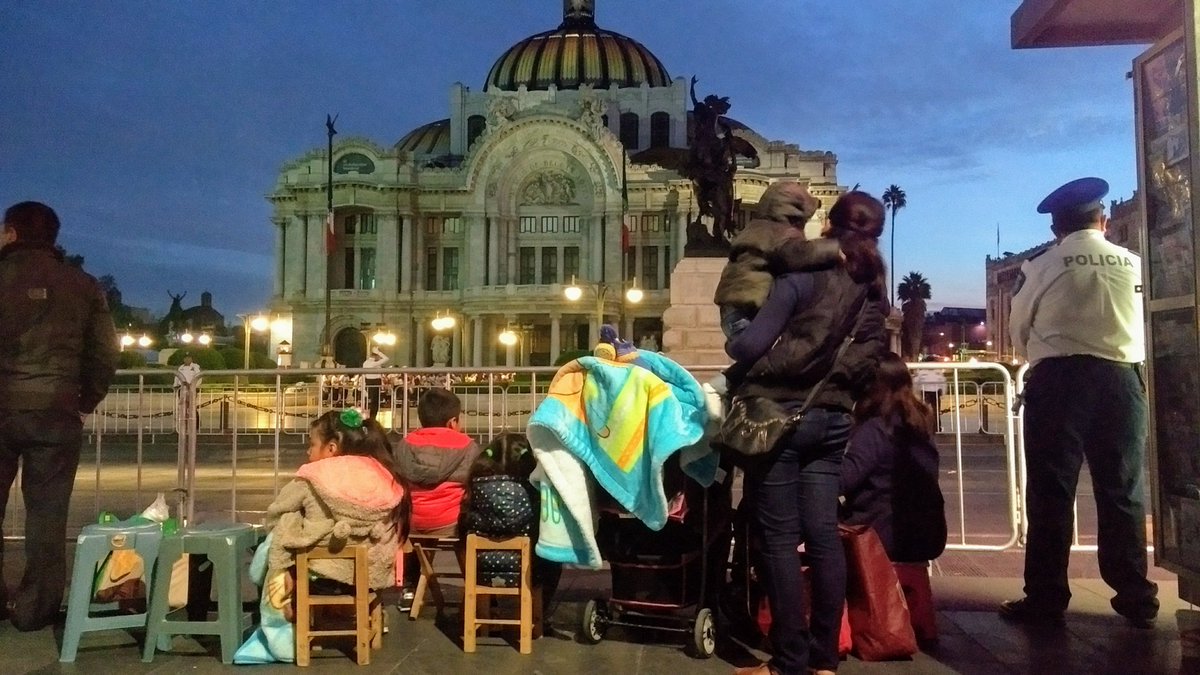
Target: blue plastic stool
<point x="95" y="542"/>
<point x="227" y="546"/>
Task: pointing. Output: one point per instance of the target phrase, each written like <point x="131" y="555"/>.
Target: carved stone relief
<point x="547" y="188"/>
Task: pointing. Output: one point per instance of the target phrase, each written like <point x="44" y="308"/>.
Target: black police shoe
<point x="1024" y="611"/>
<point x="1140" y="613"/>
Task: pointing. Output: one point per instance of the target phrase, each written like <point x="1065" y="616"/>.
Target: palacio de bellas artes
<point x="562" y="170"/>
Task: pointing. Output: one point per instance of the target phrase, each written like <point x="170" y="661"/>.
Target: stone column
<point x="421" y="349"/>
<point x="317" y="265"/>
<point x="555" y="336"/>
<point x="280" y="257"/>
<point x="476" y="247"/>
<point x="404" y="267"/>
<point x="387" y="243"/>
<point x="493" y="266"/>
<point x="456" y="346"/>
<point x="477" y="340"/>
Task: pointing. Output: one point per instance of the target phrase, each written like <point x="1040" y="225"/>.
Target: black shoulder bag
<point x="754" y="425"/>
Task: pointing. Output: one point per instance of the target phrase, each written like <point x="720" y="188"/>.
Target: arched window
<point x="660" y="130"/>
<point x="475" y="126"/>
<point x="629" y="130"/>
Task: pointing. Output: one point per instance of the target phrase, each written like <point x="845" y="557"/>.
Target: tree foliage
<point x="894" y="199"/>
<point x="914" y="290"/>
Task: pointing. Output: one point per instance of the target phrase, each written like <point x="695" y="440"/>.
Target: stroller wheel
<point x="594" y="623"/>
<point x="704" y="634"/>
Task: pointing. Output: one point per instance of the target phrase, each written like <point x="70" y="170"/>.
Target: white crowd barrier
<point x="224" y="448"/>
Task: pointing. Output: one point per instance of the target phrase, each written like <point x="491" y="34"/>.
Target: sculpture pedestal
<point x="692" y="325"/>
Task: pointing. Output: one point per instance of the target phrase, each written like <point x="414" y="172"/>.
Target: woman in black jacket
<point x="793" y="345"/>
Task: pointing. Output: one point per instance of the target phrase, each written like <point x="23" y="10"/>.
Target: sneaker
<point x="407" y="596"/>
<point x="1024" y="611"/>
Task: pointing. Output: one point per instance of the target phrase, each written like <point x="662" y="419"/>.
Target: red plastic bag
<point x="879" y="619"/>
<point x="914" y="579"/>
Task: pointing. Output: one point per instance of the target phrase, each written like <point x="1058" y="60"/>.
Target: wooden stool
<point x="472" y="591"/>
<point x="426" y="547"/>
<point x="368" y="611"/>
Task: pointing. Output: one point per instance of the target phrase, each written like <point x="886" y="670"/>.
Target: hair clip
<point x="352" y="418"/>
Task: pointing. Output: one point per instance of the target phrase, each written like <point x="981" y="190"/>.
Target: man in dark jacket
<point x="58" y="353"/>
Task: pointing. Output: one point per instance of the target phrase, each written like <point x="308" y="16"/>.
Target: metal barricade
<point x="244" y="433"/>
<point x="961" y="419"/>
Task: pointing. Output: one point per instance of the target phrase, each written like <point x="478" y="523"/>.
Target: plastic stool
<point x="227" y="547"/>
<point x="92" y="546"/>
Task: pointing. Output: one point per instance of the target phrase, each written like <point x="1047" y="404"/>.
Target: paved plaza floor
<point x="967" y="587"/>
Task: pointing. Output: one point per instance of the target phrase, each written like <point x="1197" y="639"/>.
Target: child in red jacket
<point x="435" y="460"/>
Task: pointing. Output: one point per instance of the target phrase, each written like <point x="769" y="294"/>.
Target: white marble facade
<point x="488" y="215"/>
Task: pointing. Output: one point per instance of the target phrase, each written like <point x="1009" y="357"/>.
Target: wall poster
<point x="1165" y="143"/>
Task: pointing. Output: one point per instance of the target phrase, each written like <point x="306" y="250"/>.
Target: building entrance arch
<point x="350" y="347"/>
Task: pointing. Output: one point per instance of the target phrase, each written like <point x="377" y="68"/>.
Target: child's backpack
<point x="918" y="507"/>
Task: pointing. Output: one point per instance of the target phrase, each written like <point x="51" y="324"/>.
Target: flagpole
<point x="327" y="338"/>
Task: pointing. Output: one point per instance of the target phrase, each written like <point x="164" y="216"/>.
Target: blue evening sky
<point x="156" y="128"/>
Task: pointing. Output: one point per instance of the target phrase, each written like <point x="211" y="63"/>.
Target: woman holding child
<point x="791" y="348"/>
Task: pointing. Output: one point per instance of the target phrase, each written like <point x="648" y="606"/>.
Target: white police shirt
<point x="1081" y="296"/>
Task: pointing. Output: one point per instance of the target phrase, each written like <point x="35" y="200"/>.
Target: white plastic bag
<point x="158" y="511"/>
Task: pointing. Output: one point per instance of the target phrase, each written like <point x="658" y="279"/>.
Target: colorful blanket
<point x="274" y="640"/>
<point x="613" y="423"/>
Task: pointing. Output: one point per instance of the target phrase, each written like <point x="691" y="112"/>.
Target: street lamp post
<point x="256" y="322"/>
<point x="574" y="293"/>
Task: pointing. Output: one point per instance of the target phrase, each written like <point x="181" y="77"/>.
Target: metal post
<point x="246" y="336"/>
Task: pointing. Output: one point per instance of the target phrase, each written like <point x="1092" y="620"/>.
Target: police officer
<point x="1077" y="318"/>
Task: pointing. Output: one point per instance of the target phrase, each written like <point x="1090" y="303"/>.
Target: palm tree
<point x="914" y="291"/>
<point x="893" y="200"/>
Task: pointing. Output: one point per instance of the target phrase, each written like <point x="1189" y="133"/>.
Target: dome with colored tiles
<point x="577" y="52"/>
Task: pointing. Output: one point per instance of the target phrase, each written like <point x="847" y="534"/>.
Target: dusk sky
<point x="156" y="129"/>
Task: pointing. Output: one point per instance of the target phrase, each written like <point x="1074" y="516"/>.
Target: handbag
<point x="754" y="425"/>
<point x="880" y="625"/>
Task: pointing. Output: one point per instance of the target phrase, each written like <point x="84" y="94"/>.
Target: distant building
<point x="951" y="330"/>
<point x="197" y="318"/>
<point x="489" y="214"/>
<point x="1124" y="229"/>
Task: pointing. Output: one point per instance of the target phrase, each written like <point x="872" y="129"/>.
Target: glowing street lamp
<point x="127" y="340"/>
<point x="257" y="323"/>
<point x="384" y="337"/>
<point x="508" y="337"/>
<point x="205" y="339"/>
<point x="574" y="292"/>
<point x="144" y="341"/>
<point x="444" y="322"/>
<point x="187" y="338"/>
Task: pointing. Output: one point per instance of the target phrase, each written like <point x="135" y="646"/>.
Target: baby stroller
<point x="665" y="580"/>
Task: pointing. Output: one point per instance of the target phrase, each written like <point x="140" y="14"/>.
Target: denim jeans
<point x="796" y="500"/>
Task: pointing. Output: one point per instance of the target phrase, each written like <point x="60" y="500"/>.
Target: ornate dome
<point x="427" y="139"/>
<point x="577" y="52"/>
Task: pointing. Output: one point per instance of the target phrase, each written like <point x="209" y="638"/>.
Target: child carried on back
<point x="772" y="243"/>
<point x="501" y="502"/>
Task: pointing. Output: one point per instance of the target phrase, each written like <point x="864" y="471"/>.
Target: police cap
<point x="1078" y="196"/>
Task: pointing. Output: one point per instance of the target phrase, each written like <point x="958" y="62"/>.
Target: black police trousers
<point x="1076" y="408"/>
<point x="46" y="444"/>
